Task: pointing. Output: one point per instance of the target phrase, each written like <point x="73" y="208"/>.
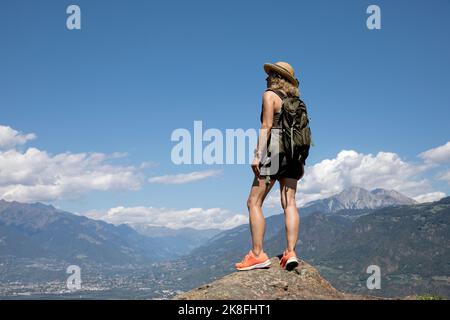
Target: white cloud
<point x="35" y="175"/>
<point x="197" y="218"/>
<point x="350" y="168"/>
<point x="437" y="155"/>
<point x="10" y="138"/>
<point x="148" y="164"/>
<point x="184" y="177"/>
<point x="445" y="176"/>
<point x="430" y="197"/>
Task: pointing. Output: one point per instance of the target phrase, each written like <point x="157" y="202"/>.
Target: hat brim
<point x="270" y="67"/>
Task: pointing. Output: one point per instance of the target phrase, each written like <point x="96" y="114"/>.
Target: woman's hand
<point x="255" y="166"/>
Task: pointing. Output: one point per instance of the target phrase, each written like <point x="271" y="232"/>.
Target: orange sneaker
<point x="289" y="260"/>
<point x="251" y="262"/>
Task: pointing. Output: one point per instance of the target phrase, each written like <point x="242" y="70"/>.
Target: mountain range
<point x="178" y="241"/>
<point x="38" y="230"/>
<point x="410" y="244"/>
<point x="340" y="235"/>
<point x="356" y="201"/>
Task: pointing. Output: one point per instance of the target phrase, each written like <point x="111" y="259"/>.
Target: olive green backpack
<point x="296" y="134"/>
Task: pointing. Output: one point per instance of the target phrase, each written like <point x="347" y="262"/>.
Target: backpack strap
<point x="278" y="93"/>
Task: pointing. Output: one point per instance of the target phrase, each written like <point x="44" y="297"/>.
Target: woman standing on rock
<point x="281" y="84"/>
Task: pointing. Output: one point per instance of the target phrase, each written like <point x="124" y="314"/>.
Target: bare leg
<point x="288" y="188"/>
<point x="255" y="200"/>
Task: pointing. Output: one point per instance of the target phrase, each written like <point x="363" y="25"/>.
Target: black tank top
<point x="276" y="117"/>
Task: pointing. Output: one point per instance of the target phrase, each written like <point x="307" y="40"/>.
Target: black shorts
<point x="293" y="170"/>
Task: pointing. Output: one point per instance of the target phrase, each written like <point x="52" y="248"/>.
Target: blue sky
<point x="137" y="70"/>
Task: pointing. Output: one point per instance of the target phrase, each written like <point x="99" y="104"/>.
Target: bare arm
<point x="263" y="135"/>
<point x="268" y="111"/>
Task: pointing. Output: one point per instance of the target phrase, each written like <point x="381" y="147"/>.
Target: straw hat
<point x="282" y="68"/>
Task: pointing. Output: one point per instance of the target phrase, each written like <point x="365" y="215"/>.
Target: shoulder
<point x="267" y="94"/>
<point x="269" y="97"/>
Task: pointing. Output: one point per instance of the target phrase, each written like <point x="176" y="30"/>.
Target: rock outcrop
<point x="274" y="283"/>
